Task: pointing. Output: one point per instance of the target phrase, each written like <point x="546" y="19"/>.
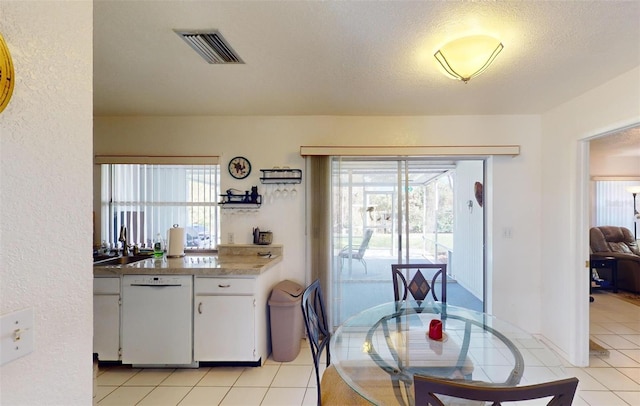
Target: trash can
<point x="286" y="320"/>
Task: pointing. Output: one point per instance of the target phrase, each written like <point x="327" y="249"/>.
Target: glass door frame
<point x="401" y="222"/>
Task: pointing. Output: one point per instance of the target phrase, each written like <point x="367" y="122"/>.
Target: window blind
<point x="614" y="204"/>
<point x="150" y="198"/>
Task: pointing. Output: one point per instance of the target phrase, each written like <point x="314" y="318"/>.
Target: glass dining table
<point x="377" y="351"/>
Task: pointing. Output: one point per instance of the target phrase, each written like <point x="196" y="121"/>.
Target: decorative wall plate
<point x="478" y="191"/>
<point x="239" y="167"/>
<point x="6" y="75"/>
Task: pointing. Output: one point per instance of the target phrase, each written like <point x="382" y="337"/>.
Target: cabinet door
<point x="224" y="328"/>
<point x="106" y="327"/>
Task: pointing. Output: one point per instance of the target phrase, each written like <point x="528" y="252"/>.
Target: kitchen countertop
<point x="198" y="265"/>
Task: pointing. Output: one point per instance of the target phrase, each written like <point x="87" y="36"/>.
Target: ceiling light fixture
<point x="467" y="57"/>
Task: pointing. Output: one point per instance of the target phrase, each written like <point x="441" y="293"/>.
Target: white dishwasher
<point x="157" y="326"/>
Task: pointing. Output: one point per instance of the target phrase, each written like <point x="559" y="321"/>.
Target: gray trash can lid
<point x="286" y="292"/>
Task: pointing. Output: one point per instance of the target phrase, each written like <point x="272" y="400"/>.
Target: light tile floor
<point x="615" y="379"/>
<point x="608" y="381"/>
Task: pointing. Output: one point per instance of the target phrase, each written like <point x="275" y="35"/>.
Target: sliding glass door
<point x="387" y="211"/>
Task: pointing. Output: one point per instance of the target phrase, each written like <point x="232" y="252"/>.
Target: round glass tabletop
<point x="377" y="351"/>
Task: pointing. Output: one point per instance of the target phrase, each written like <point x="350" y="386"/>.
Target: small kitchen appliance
<point x="262" y="237"/>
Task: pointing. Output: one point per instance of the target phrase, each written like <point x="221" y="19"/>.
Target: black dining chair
<point x="430" y="391"/>
<point x="419" y="280"/>
<point x="317" y="325"/>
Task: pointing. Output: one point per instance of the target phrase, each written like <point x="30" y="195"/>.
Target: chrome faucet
<point x="123" y="240"/>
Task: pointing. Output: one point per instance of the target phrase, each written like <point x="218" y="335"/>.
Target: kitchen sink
<point x="105" y="261"/>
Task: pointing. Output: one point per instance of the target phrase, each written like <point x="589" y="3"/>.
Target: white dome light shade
<point x="467" y="57"/>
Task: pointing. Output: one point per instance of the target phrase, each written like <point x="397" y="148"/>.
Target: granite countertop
<point x="240" y="263"/>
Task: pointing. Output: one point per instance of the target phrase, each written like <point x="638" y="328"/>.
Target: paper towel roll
<point x="176" y="242"/>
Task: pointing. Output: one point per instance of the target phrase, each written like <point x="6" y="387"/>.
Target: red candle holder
<point x="435" y="329"/>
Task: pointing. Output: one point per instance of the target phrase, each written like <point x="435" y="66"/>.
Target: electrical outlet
<point x="230" y="238"/>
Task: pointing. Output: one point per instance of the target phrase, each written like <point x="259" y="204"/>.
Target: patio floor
<point x="356" y="290"/>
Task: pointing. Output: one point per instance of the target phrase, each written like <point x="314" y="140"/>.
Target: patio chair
<point x="350" y="252"/>
<point x="430" y="391"/>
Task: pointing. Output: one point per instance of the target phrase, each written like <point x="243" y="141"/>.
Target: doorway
<point x="613" y="165"/>
<point x="402" y="210"/>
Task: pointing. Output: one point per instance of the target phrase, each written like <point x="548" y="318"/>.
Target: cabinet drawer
<point x="225" y="286"/>
<point x="106" y="286"/>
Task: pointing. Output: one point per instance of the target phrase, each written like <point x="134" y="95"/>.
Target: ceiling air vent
<point x="211" y="46"/>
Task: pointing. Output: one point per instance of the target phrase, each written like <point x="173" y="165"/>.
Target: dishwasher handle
<point x="151" y="285"/>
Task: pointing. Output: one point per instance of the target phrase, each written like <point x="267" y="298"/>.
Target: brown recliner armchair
<point x="618" y="242"/>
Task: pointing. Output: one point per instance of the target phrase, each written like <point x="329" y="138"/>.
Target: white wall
<point x="45" y="205"/>
<point x="271" y="141"/>
<point x="565" y="204"/>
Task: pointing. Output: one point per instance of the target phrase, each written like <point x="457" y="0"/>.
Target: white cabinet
<point x="106" y="318"/>
<point x="230" y="318"/>
<point x="227" y="318"/>
<point x="224" y="328"/>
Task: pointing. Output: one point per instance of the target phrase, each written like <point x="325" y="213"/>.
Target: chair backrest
<point x="428" y="389"/>
<point x="419" y="280"/>
<point x="316" y="323"/>
<point x="365" y="242"/>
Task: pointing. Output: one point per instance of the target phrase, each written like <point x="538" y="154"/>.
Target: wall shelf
<point x="246" y="201"/>
<point x="289" y="176"/>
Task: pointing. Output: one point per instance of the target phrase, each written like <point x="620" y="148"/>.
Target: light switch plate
<point x="16" y="335"/>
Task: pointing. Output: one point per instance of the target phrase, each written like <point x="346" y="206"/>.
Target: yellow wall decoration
<point x="6" y="75"/>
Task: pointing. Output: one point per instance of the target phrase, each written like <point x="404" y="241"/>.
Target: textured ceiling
<point x="355" y="58"/>
<point x="623" y="144"/>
